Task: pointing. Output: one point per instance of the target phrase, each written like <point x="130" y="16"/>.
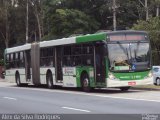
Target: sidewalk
<point x="6" y="83"/>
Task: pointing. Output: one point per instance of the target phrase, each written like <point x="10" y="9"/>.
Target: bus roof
<point x="18" y="48"/>
<point x="72" y="40"/>
<point x="57" y="42"/>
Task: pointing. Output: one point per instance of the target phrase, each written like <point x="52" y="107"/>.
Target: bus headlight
<point x="111" y="76"/>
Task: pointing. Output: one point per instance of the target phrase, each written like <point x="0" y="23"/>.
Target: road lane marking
<point x="76" y="109"/>
<point x="88" y="94"/>
<point x="9" y="98"/>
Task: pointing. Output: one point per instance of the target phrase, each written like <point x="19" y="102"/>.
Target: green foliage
<point x="1" y="62"/>
<point x="62" y="18"/>
<point x="65" y="22"/>
<point x="153" y="28"/>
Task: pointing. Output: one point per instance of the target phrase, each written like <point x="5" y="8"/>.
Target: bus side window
<point x="14" y="60"/>
<point x="21" y="59"/>
<point x="8" y="61"/>
<point x="18" y="59"/>
<point x="47" y="57"/>
<point x="11" y="61"/>
<point x="67" y="57"/>
<point x="76" y="53"/>
<point x="87" y="57"/>
<point x="50" y="57"/>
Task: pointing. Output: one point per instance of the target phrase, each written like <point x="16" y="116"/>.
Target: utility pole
<point x="27" y="22"/>
<point x="146" y="7"/>
<point x="114" y="15"/>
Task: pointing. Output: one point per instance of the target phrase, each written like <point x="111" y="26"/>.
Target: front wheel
<point x="158" y="81"/>
<point x="124" y="88"/>
<point x="85" y="83"/>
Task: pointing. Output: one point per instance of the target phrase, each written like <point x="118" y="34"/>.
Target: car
<point x="156" y="75"/>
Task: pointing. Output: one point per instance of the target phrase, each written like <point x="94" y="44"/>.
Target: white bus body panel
<point x="18" y="49"/>
<point x="120" y="83"/>
<point x="10" y="75"/>
<point x="43" y="73"/>
<point x="69" y="77"/>
<point x="62" y="41"/>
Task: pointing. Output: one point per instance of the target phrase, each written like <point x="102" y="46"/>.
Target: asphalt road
<point x="71" y="101"/>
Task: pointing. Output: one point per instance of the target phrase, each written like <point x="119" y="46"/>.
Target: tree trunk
<point x="157" y="11"/>
<point x="146" y="7"/>
<point x="38" y="22"/>
<point x="39" y="26"/>
<point x="6" y="26"/>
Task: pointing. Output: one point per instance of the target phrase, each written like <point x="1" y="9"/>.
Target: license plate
<point x="131" y="83"/>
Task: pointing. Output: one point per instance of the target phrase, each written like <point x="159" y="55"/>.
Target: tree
<point x="145" y="5"/>
<point x="153" y="28"/>
<point x="63" y="22"/>
<point x="39" y="14"/>
<point x="5" y="21"/>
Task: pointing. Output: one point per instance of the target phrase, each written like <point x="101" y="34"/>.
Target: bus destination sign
<point x="126" y="37"/>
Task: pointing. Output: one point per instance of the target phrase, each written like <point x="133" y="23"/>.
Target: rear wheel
<point x="49" y="81"/>
<point x="85" y="83"/>
<point x="158" y="81"/>
<point x="124" y="88"/>
<point x="18" y="81"/>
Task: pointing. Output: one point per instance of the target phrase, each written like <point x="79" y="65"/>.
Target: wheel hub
<point x="85" y="82"/>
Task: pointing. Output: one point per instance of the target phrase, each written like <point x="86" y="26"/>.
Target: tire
<point x="49" y="81"/>
<point x="158" y="81"/>
<point x="85" y="83"/>
<point x="124" y="88"/>
<point x="18" y="81"/>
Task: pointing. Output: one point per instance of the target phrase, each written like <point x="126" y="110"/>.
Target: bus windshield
<point x="129" y="56"/>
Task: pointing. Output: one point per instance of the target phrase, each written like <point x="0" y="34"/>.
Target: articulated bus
<point x="118" y="59"/>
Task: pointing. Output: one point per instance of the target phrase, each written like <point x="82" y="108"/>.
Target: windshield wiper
<point x="125" y="51"/>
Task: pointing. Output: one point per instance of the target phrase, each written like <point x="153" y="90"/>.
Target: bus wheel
<point x="85" y="83"/>
<point x="18" y="81"/>
<point x="158" y="81"/>
<point x="124" y="88"/>
<point x="49" y="81"/>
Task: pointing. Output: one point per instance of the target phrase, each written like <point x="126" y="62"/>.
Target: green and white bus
<point x="110" y="59"/>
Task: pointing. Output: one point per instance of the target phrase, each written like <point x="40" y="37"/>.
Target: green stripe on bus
<point x="131" y="76"/>
<point x="90" y="38"/>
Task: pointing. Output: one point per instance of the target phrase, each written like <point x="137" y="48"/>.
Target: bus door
<point x="58" y="64"/>
<point x="27" y="54"/>
<point x="100" y="67"/>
